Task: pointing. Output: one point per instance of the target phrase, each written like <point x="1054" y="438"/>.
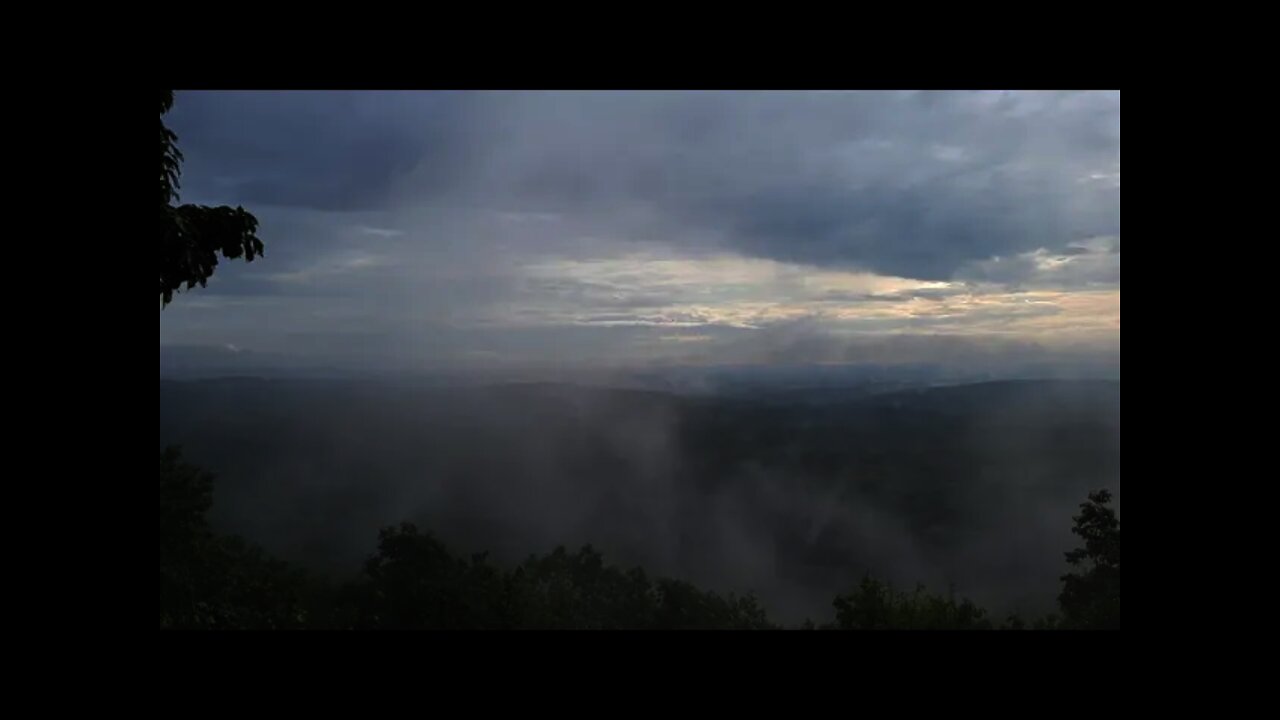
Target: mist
<point x="793" y="499"/>
<point x="767" y="342"/>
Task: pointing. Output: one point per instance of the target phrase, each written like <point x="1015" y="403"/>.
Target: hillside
<point x="791" y="494"/>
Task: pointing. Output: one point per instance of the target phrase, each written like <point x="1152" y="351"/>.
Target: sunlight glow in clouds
<point x="456" y="227"/>
<point x="751" y="293"/>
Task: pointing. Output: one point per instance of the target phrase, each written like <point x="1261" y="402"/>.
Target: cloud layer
<point x="422" y="228"/>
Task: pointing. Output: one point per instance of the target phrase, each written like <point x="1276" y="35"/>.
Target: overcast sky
<point x="420" y="229"/>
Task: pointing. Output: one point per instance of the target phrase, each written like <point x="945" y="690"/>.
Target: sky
<point x="416" y="230"/>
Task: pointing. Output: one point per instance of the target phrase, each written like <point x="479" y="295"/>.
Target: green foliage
<point x="415" y="582"/>
<point x="563" y="590"/>
<point x="1090" y="597"/>
<point x="193" y="236"/>
<point x="186" y="493"/>
<point x="1014" y="622"/>
<point x="876" y="606"/>
<point x="209" y="581"/>
<point x="1048" y="622"/>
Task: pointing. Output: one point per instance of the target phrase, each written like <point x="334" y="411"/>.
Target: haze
<point x="763" y="341"/>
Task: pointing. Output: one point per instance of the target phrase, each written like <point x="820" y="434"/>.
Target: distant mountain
<point x="197" y="362"/>
<point x="188" y="362"/>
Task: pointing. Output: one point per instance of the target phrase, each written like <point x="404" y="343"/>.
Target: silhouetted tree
<point x="186" y="493"/>
<point x="874" y="605"/>
<point x="415" y="582"/>
<point x="192" y="236"/>
<point x="1091" y="594"/>
<point x="208" y="581"/>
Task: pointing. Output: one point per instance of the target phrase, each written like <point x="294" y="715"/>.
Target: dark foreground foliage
<point x="1091" y="592"/>
<point x="415" y="581"/>
<point x="213" y="581"/>
<point x="192" y="237"/>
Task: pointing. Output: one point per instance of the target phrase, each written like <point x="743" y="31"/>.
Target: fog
<point x="764" y="341"/>
<point x="793" y="499"/>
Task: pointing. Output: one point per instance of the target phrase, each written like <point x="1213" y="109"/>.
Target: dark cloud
<point x="892" y="183"/>
<point x="422" y="212"/>
<point x="330" y="151"/>
<point x="1071" y="268"/>
<point x="914" y="185"/>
